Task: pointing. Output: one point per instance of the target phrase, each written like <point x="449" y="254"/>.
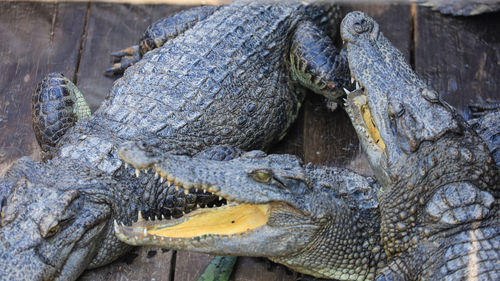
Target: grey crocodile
<point x="229" y="75"/>
<point x="440" y="223"/>
<point x="440" y="186"/>
<point x="299" y="215"/>
<point x="321" y="221"/>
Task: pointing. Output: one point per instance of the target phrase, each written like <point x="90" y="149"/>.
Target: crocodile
<point x="321" y="221"/>
<point x="440" y="186"/>
<point x="205" y="77"/>
<point x="428" y="215"/>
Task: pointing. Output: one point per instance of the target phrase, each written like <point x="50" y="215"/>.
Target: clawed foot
<point x="123" y="59"/>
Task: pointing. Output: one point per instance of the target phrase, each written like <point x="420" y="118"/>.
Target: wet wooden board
<point x="76" y="39"/>
<point x="459" y="56"/>
<point x="37" y="38"/>
<point x="142" y="263"/>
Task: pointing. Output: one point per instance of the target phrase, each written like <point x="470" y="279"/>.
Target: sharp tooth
<point x="122" y="223"/>
<point x="186" y="191"/>
<point x="183" y="213"/>
<point x="117" y="229"/>
<point x="140" y="217"/>
<point x="156" y="175"/>
<point x="136" y="237"/>
<point x="162" y="217"/>
<point x="169" y="183"/>
<point x="195" y="189"/>
<point x="346" y="91"/>
<point x="198" y="206"/>
<point x="145" y="232"/>
<point x="176" y="188"/>
<point x="137" y="172"/>
<point x="357" y="85"/>
<point x="146" y="170"/>
<point x="126" y="165"/>
<point x="220" y="198"/>
<point x="352" y="80"/>
<point x="162" y="179"/>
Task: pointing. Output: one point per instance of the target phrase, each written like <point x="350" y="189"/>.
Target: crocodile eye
<point x="263" y="176"/>
<point x="52" y="231"/>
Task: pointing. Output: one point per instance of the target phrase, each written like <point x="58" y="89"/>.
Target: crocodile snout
<point x="358" y="24"/>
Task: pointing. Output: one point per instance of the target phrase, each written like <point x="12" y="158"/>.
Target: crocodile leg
<point x="56" y="106"/>
<point x="157" y="34"/>
<point x="315" y="62"/>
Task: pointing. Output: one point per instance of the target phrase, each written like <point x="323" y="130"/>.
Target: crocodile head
<point x="277" y="208"/>
<point x="47" y="231"/>
<point x="416" y="144"/>
<point x="393" y="111"/>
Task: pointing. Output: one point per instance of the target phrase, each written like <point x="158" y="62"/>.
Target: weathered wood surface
<point x="457" y="56"/>
<point x="36" y="38"/>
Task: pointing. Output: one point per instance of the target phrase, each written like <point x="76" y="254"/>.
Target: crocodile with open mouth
<point x="225" y="75"/>
<point x="322" y="221"/>
<point x="440" y="187"/>
<point x="434" y="216"/>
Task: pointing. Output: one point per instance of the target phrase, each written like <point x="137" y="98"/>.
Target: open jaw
<point x="232" y="229"/>
<point x="358" y="109"/>
<point x="229" y="220"/>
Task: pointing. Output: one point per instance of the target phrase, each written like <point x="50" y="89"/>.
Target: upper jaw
<point x="357" y="26"/>
<point x="374" y="140"/>
<point x="246" y="216"/>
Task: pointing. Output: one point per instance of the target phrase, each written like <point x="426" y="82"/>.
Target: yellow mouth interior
<point x="223" y="221"/>
<point x="370" y="126"/>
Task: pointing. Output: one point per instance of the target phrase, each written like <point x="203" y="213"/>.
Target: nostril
<point x="362" y="26"/>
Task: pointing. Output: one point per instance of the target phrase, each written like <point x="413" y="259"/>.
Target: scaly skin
<point x="306" y="229"/>
<point x="225" y="80"/>
<point x="316" y="220"/>
<point x="439" y="183"/>
<point x="435" y="225"/>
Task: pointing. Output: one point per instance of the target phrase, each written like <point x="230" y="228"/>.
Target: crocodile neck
<point x="346" y="247"/>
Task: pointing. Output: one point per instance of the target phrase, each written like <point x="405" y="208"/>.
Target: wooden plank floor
<point x="459" y="57"/>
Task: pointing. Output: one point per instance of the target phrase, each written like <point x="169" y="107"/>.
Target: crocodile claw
<point x="123" y="59"/>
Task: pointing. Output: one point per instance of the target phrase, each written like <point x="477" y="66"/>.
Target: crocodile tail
<point x="56" y="106"/>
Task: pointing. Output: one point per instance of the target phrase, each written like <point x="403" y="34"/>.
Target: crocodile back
<point x="223" y="82"/>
